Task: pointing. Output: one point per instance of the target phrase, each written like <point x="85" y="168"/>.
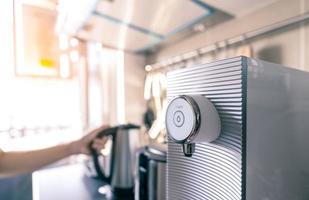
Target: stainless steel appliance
<point x="120" y="174"/>
<point x="150" y="174"/>
<point x="261" y="151"/>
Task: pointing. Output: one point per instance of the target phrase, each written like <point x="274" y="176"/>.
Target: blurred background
<point x="68" y="66"/>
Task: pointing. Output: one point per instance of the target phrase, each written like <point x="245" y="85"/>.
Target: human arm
<point x="12" y="163"/>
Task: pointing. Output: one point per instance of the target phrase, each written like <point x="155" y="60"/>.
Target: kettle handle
<point x="95" y="156"/>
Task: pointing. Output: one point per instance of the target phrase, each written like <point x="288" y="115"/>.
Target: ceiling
<point x="143" y="25"/>
<point x="136" y="25"/>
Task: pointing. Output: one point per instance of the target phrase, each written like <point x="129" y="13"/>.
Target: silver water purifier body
<point x="261" y="149"/>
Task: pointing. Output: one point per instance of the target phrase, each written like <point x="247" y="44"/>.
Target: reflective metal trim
<point x="196" y="122"/>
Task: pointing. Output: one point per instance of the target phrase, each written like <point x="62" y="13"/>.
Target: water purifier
<point x="238" y="129"/>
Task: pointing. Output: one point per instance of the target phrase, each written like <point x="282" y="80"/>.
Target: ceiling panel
<point x="114" y="35"/>
<point x="162" y="17"/>
<point x="238" y="7"/>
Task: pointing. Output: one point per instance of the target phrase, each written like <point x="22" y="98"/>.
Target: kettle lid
<point x="128" y="126"/>
<point x="154" y="153"/>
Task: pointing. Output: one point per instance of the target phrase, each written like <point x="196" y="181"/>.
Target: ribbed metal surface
<point x="215" y="170"/>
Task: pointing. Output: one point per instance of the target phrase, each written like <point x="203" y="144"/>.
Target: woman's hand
<point x="81" y="146"/>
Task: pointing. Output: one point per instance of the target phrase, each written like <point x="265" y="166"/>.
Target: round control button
<point x="179" y="118"/>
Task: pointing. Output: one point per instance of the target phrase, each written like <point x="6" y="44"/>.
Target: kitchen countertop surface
<point x="67" y="182"/>
<point x="16" y="188"/>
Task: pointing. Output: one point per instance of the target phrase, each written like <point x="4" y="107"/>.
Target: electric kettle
<point x="120" y="177"/>
<point x="150" y="174"/>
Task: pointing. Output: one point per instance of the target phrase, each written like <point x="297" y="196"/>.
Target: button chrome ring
<point x="196" y="120"/>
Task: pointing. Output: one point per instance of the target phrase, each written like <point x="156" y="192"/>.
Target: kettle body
<point x="122" y="177"/>
<point x="119" y="176"/>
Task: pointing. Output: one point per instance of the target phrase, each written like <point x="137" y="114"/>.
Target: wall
<point x="116" y="86"/>
<point x="288" y="46"/>
<point x="134" y="76"/>
<point x="6" y="38"/>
